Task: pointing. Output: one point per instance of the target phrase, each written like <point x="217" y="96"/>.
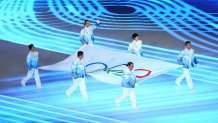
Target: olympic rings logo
<point x="120" y="72"/>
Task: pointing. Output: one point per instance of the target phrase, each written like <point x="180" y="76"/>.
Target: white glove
<point x="136" y="84"/>
<point x="97" y="21"/>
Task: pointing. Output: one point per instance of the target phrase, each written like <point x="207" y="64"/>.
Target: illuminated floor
<point x="50" y="27"/>
<point x="159" y="100"/>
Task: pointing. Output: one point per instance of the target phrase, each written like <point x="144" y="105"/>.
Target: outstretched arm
<point x="28" y="61"/>
<point x="96" y="24"/>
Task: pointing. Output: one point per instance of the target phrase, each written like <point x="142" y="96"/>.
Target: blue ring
<point x="105" y="66"/>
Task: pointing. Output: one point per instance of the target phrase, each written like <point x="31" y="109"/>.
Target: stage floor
<point x="159" y="100"/>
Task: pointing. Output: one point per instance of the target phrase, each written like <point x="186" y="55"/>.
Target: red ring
<point x="147" y="74"/>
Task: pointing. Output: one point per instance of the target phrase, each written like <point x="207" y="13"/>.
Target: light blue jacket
<point x="187" y="58"/>
<point x="32" y="60"/>
<point x="78" y="69"/>
<point x="135" y="47"/>
<point x="128" y="79"/>
<point x="87" y="35"/>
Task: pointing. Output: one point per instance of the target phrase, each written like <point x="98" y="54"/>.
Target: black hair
<point x="134" y="35"/>
<point x="79" y="53"/>
<point x="30" y="46"/>
<point x="187" y="42"/>
<point x="129" y="63"/>
<point x="85" y="22"/>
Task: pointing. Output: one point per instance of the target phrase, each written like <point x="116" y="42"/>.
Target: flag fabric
<point x="107" y="65"/>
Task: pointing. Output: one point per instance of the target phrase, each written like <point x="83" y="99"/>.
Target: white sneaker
<point x="23" y="84"/>
<point x="135" y="107"/>
<point x="117" y="102"/>
<point x="86" y="99"/>
<point x="39" y="88"/>
<point x="67" y="94"/>
<point x="192" y="88"/>
<point x="177" y="83"/>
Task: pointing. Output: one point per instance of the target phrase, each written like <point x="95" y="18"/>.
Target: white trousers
<point x="30" y="74"/>
<point x="82" y="85"/>
<point x="127" y="92"/>
<point x="90" y="43"/>
<point x="185" y="74"/>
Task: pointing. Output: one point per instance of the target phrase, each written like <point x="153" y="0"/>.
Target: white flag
<point x="107" y="65"/>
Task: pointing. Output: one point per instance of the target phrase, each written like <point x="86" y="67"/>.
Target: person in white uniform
<point x="78" y="72"/>
<point x="86" y="34"/>
<point x="128" y="83"/>
<point x="32" y="61"/>
<point x="188" y="60"/>
<point x="135" y="47"/>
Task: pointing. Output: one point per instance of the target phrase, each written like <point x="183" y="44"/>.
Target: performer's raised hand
<point x="97" y="21"/>
<point x="136" y="84"/>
